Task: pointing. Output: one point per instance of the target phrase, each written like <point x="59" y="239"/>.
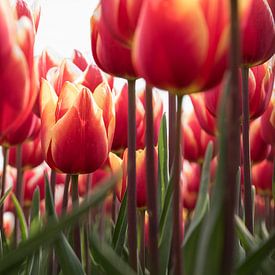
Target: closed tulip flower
<point x="111" y="56"/>
<point x="260" y="84"/>
<point x="182" y="46"/>
<point x="77" y="128"/>
<point x="258" y="34"/>
<point x="195" y="140"/>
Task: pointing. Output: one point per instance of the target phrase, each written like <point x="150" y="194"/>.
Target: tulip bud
<point x="262" y="177"/>
<point x="79" y="60"/>
<point x="77" y="128"/>
<point x="258" y="34"/>
<point x="112" y="57"/>
<point x="195" y="140"/>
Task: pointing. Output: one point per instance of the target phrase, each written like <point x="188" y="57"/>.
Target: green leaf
<point x="50" y="232"/>
<point x="247" y="240"/>
<point x="166" y="230"/>
<point x="120" y="227"/>
<point x="2" y="200"/>
<point x="106" y="257"/>
<point x="21" y="218"/>
<point x="67" y="259"/>
<point x="255" y="260"/>
<point x="192" y="235"/>
<point x="162" y="162"/>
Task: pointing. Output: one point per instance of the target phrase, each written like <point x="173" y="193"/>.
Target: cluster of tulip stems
<point x="97" y="179"/>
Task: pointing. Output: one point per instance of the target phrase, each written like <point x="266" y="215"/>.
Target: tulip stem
<point x="131" y="169"/>
<point x="151" y="184"/>
<point x="76" y="231"/>
<point x="3" y="183"/>
<point x="177" y="261"/>
<point x="142" y="240"/>
<point x="172" y="130"/>
<point x="19" y="189"/>
<point x="66" y="194"/>
<point x="232" y="154"/>
<point x="246" y="154"/>
<point x="53" y="182"/>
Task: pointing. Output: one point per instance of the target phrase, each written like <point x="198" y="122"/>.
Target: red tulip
<point x="260" y="83"/>
<point x="190" y="184"/>
<point x="258" y="34"/>
<point x="182" y="46"/>
<point x="195" y="140"/>
<point x="121" y="17"/>
<point x="262" y="177"/>
<point x="272" y="6"/>
<point x="267" y="129"/>
<point x="259" y="149"/>
<point x="31" y="154"/>
<point x="17" y="79"/>
<point x="117" y="163"/>
<point x="77" y="128"/>
<point x="121" y="107"/>
<point x="112" y="57"/>
<point x="79" y="60"/>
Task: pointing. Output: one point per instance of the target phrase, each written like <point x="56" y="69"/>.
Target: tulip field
<point x="152" y="153"/>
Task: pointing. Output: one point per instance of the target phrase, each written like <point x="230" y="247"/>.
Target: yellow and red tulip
<point x="77" y="128"/>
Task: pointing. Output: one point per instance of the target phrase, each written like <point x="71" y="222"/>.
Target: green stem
<point x="3" y="182"/>
<point x="131" y="169"/>
<point x="172" y="130"/>
<point x="53" y="182"/>
<point x="66" y="194"/>
<point x="76" y="231"/>
<point x="246" y="154"/>
<point x="142" y="240"/>
<point x="232" y="154"/>
<point x="176" y="198"/>
<point x="151" y="184"/>
<point x="19" y="190"/>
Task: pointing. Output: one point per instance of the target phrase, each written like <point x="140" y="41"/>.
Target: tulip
<point x="262" y="177"/>
<point x="190" y="184"/>
<point x="66" y="71"/>
<point x="77" y="128"/>
<point x="195" y="140"/>
<point x="121" y="17"/>
<point x="267" y="129"/>
<point x="260" y="83"/>
<point x="117" y="163"/>
<point x="259" y="149"/>
<point x="272" y="7"/>
<point x="258" y="36"/>
<point x="207" y="121"/>
<point x="31" y="154"/>
<point x="79" y="60"/>
<point x="112" y="57"/>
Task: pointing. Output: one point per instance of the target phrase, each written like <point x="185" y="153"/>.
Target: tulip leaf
<point x="104" y="255"/>
<point x="166" y="230"/>
<point x="21" y="218"/>
<point x="2" y="200"/>
<point x="255" y="260"/>
<point x="67" y="259"/>
<point x="211" y="237"/>
<point x="191" y="239"/>
<point x="162" y="162"/>
<point x="50" y="232"/>
<point x="120" y="227"/>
